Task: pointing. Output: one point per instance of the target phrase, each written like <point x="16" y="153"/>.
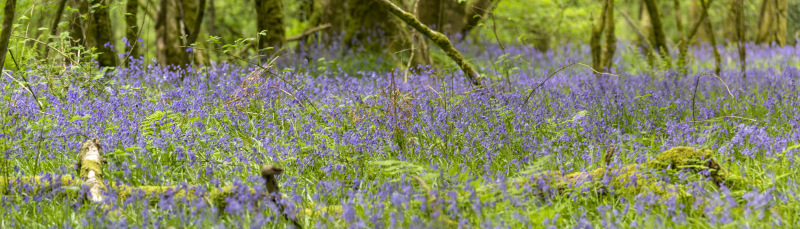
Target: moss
<point x="88" y="165"/>
<point x="677" y="157"/>
<point x="622" y="179"/>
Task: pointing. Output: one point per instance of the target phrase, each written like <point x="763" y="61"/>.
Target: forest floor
<point x="366" y="149"/>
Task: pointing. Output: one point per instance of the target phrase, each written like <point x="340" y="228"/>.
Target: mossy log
<point x="636" y="178"/>
<point x="439" y="39"/>
<point x="90" y="175"/>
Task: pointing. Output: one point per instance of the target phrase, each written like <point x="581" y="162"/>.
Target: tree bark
<point x="452" y="17"/>
<point x="772" y="22"/>
<point x="660" y="41"/>
<point x="594" y="41"/>
<point x="269" y="14"/>
<point x="198" y="21"/>
<point x="76" y="28"/>
<point x="370" y="25"/>
<point x="602" y="56"/>
<point x="740" y="38"/>
<point x="611" y="40"/>
<point x="437" y="38"/>
<point x="696" y="11"/>
<point x="132" y="28"/>
<point x="100" y="24"/>
<point x="712" y="40"/>
<point x="5" y="34"/>
<point x="168" y="50"/>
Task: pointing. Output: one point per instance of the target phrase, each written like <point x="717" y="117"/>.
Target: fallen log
<point x="89" y="168"/>
<point x="634" y="178"/>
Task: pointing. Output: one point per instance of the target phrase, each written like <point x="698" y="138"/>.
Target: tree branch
<point x="438" y="38"/>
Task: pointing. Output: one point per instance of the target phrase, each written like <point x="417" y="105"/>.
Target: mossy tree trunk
<point x="131" y="30"/>
<point x="696" y="11"/>
<point x="269" y="14"/>
<point x="437" y="38"/>
<point x="602" y="56"/>
<point x="5" y="34"/>
<point x="659" y="39"/>
<point x="647" y="34"/>
<point x="772" y="22"/>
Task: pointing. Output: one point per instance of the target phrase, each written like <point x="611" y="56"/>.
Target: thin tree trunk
<point x="54" y="27"/>
<point x="597" y="34"/>
<point x="438" y="38"/>
<point x="695" y="11"/>
<point x="76" y="28"/>
<point x="659" y="38"/>
<point x="677" y="6"/>
<point x="683" y="46"/>
<point x="35" y="25"/>
<point x="772" y="22"/>
<point x="611" y="40"/>
<point x="5" y="35"/>
<point x="448" y="15"/>
<point x="602" y="55"/>
<point x="167" y="40"/>
<point x="740" y="39"/>
<point x="132" y="47"/>
<point x="710" y="33"/>
<point x="269" y="15"/>
<point x="476" y="11"/>
<point x="102" y="32"/>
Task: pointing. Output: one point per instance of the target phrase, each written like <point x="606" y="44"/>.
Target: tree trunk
<point x="696" y="11"/>
<point x="269" y="14"/>
<point x="772" y="22"/>
<point x="437" y="38"/>
<point x="712" y="40"/>
<point x="76" y="29"/>
<point x="594" y="41"/>
<point x="683" y="46"/>
<point x="168" y="50"/>
<point x="5" y="34"/>
<point x="370" y="25"/>
<point x="476" y="11"/>
<point x="740" y="38"/>
<point x="132" y="29"/>
<point x="54" y="26"/>
<point x="35" y="23"/>
<point x="101" y="22"/>
<point x="602" y="55"/>
<point x="647" y="31"/>
<point x="659" y="39"/>
<point x="450" y="20"/>
<point x="611" y="40"/>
